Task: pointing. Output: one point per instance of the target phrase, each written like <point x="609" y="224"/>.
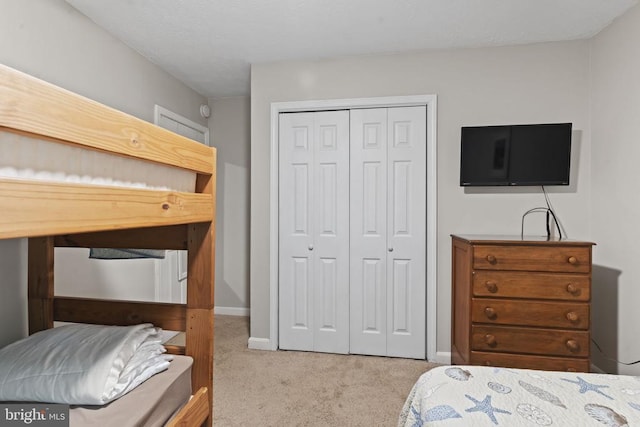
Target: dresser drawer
<point x="530" y="362"/>
<point x="515" y="284"/>
<point x="530" y="313"/>
<point x="552" y="342"/>
<point x="532" y="258"/>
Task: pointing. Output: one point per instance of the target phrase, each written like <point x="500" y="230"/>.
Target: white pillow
<point x="80" y="364"/>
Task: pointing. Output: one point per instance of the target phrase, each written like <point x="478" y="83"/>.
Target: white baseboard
<point x="260" y="344"/>
<point x="443" y="357"/>
<point x="231" y="311"/>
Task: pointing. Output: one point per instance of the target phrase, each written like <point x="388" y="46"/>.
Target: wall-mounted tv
<point x="537" y="154"/>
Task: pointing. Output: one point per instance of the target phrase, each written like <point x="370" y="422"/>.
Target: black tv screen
<point x="538" y="154"/>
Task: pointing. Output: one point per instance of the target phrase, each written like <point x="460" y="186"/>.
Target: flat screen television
<point x="537" y="154"/>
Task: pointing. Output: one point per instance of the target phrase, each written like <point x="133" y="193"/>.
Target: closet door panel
<point x="331" y="231"/>
<point x="296" y="221"/>
<point x="400" y="296"/>
<point x="406" y="238"/>
<point x="368" y="294"/>
<point x="300" y="272"/>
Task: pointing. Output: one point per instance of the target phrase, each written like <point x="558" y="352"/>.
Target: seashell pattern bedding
<point x="487" y="396"/>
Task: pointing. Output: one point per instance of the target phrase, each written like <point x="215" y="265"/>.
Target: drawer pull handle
<point x="571" y="370"/>
<point x="573" y="345"/>
<point x="572" y="260"/>
<point x="572" y="289"/>
<point x="490" y="340"/>
<point x="491" y="259"/>
<point x="491" y="286"/>
<point x="573" y="317"/>
<point x="490" y="312"/>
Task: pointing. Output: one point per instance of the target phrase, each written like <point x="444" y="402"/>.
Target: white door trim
<point x="331" y="104"/>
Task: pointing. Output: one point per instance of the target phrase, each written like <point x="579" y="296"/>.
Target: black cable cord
<point x="611" y="358"/>
<point x="548" y="212"/>
<point x="555" y="220"/>
<point x="553" y="214"/>
<point x="547" y="224"/>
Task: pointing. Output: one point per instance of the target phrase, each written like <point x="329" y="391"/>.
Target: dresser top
<point x="517" y="239"/>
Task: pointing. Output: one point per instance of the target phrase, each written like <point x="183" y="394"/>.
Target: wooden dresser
<point x="521" y="302"/>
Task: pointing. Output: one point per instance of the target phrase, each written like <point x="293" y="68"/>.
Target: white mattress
<point x="486" y="396"/>
<point x="22" y="157"/>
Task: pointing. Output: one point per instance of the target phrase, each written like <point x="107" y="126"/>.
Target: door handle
<point x="310" y="247"/>
<point x="390" y="249"/>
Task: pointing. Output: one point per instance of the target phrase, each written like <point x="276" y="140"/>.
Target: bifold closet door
<point x="314" y="231"/>
<point x="388" y="231"/>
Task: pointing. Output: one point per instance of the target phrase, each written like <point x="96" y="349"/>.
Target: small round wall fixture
<point x="205" y="111"/>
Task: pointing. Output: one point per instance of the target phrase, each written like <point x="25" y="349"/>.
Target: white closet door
<point x="296" y="265"/>
<point x="368" y="297"/>
<point x="314" y="231"/>
<point x="331" y="232"/>
<point x="388" y="231"/>
<point x="406" y="232"/>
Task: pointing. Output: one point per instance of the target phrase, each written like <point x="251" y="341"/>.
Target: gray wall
<point x="230" y="123"/>
<point x="615" y="200"/>
<point x="522" y="84"/>
<point x="50" y="40"/>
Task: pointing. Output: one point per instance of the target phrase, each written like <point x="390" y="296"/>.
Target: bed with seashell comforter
<point x="488" y="396"/>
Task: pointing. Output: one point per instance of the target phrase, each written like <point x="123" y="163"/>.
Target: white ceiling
<point x="210" y="44"/>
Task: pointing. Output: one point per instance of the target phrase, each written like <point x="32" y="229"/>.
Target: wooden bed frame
<point x="75" y="215"/>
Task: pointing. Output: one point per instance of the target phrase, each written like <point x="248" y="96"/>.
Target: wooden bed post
<point x="40" y="278"/>
<point x="200" y="294"/>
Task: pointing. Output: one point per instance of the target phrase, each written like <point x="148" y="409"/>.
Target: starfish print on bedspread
<point x="486" y="407"/>
<point x="587" y="386"/>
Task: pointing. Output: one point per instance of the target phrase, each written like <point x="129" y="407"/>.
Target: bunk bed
<point x="77" y="214"/>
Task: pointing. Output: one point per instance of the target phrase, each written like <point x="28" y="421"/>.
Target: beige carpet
<point x="289" y="388"/>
